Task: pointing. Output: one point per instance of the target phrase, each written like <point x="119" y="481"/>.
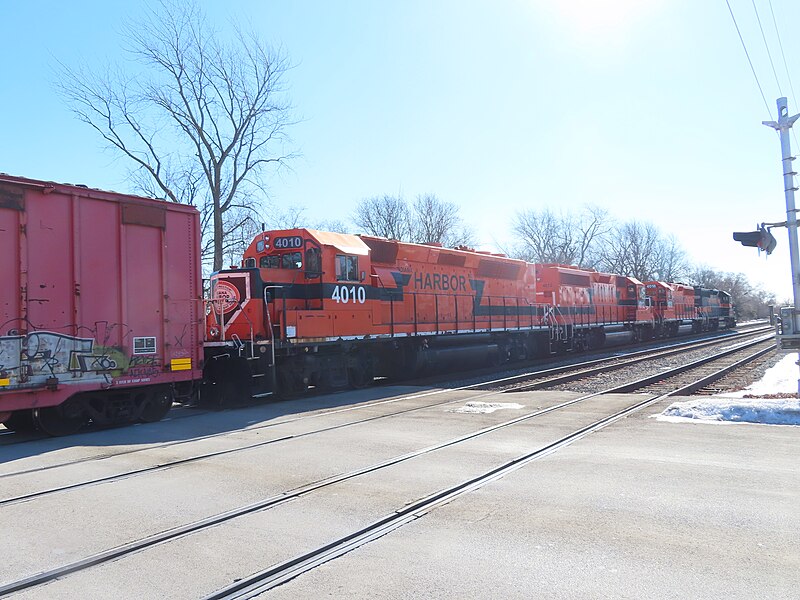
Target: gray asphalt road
<point x="640" y="509"/>
<point x="643" y="509"/>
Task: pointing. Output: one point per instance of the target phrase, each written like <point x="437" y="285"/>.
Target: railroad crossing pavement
<point x="641" y="509"/>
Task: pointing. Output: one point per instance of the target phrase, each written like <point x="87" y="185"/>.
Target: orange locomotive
<point x="678" y="306"/>
<point x="325" y="309"/>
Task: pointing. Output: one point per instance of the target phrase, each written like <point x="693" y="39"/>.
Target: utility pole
<point x="790" y="332"/>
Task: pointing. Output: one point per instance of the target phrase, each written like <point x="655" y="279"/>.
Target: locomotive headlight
<point x="213" y="332"/>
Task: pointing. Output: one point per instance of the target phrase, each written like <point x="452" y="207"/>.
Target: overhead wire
<point x="766" y="45"/>
<point x="783" y="54"/>
<point x="750" y="62"/>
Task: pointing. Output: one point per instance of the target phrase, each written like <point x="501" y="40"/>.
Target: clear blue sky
<point x="647" y="108"/>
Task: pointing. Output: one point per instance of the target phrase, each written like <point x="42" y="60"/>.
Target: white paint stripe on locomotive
<point x="537" y="328"/>
<point x="388" y="336"/>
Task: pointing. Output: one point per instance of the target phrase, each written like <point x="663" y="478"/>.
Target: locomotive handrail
<point x="217" y="316"/>
<point x="273" y="367"/>
<point x="444" y="314"/>
<point x="252" y="331"/>
<point x="436" y="311"/>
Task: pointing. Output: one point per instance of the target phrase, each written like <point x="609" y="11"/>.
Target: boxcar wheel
<point x="20" y="421"/>
<point x="65" y="419"/>
<point x="156" y="405"/>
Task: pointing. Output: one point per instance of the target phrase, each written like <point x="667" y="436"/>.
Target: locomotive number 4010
<point x="294" y="241"/>
<point x="345" y="294"/>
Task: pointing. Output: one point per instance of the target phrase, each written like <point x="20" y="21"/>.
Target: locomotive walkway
<point x="640" y="508"/>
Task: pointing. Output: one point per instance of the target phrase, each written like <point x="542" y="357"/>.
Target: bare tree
<point x="385" y="216"/>
<point x="429" y="220"/>
<point x="334" y="225"/>
<point x="751" y="302"/>
<point x="548" y="237"/>
<point x="640" y="250"/>
<point x="434" y="220"/>
<point x="631" y="249"/>
<point x="241" y="226"/>
<point x="671" y="262"/>
<point x="592" y="226"/>
<point x="289" y="217"/>
<point x="201" y="117"/>
<point x="294" y="216"/>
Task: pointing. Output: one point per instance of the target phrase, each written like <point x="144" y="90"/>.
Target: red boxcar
<point x="103" y="317"/>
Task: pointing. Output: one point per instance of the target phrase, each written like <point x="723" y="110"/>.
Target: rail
<point x="568" y="373"/>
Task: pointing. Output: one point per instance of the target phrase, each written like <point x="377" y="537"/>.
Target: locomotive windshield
<point x="270" y="262"/>
<point x="290" y="260"/>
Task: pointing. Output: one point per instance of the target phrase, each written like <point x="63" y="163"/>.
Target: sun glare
<point x="606" y="23"/>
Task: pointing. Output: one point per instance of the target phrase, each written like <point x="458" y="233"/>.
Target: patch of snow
<point x="780" y="379"/>
<point x="486" y="407"/>
<point x="734" y="410"/>
<point x="773" y="400"/>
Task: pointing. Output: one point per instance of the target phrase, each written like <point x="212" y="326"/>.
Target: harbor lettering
<point x="440" y="282"/>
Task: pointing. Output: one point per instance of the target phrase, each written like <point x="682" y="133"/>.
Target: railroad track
<point x="564" y="362"/>
<point x="548" y="378"/>
<point x="281" y="572"/>
<point x="543" y="379"/>
<point x="581" y="372"/>
<point x="738" y="379"/>
<point x="689" y="378"/>
<point x="8" y="438"/>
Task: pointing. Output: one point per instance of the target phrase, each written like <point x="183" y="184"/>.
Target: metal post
<point x="783" y="125"/>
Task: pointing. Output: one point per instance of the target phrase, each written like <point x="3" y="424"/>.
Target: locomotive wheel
<point x="156" y="405"/>
<point x="290" y="383"/>
<point x="360" y="374"/>
<point x="20" y="421"/>
<point x="65" y="419"/>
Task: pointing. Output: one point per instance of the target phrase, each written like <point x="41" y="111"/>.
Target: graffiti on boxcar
<point x="39" y="356"/>
<point x="144" y="366"/>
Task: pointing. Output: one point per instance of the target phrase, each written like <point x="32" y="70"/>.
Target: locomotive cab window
<point x="270" y="262"/>
<point x="292" y="260"/>
<point x="346" y="268"/>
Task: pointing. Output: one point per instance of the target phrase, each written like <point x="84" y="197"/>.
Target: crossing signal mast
<point x="789" y="334"/>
